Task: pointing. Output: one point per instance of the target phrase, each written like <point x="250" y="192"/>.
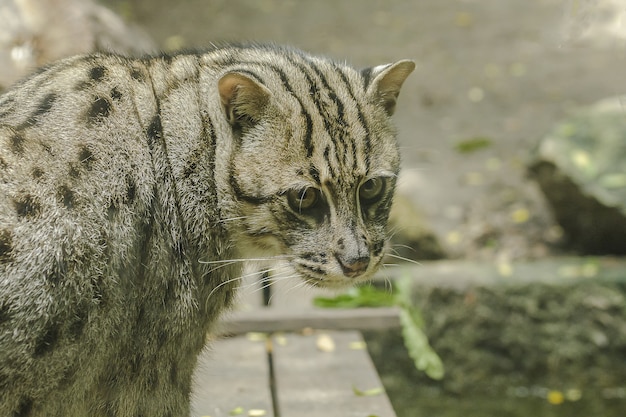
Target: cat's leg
<point x="145" y="385"/>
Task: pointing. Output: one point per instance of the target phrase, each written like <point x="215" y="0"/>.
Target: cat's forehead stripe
<point x="308" y="80"/>
<point x="336" y="124"/>
<point x="282" y="75"/>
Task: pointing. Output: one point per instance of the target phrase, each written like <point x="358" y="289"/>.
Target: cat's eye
<point x="372" y="190"/>
<point x="304" y="199"/>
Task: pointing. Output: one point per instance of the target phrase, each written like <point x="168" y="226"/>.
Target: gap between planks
<point x="237" y="374"/>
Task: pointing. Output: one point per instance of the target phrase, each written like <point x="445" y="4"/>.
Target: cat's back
<point x="68" y="112"/>
<point x="72" y="143"/>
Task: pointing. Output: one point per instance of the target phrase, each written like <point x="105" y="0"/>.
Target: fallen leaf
<point x="358" y="345"/>
<point x="236" y="411"/>
<point x="472" y="144"/>
<point x="280" y="339"/>
<point x="256" y="336"/>
<point x="505" y="269"/>
<point x="325" y="343"/>
<point x="520" y="215"/>
<point x="367" y="393"/>
<point x="454" y="237"/>
<point x="555" y="397"/>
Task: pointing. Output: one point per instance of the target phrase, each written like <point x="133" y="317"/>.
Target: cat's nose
<point x="353" y="267"/>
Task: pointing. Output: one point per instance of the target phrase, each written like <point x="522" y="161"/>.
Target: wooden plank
<point x="232" y="373"/>
<point x="313" y="383"/>
<point x="280" y="320"/>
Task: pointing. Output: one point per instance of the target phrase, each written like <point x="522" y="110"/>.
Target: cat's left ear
<point x="244" y="100"/>
<point x="386" y="81"/>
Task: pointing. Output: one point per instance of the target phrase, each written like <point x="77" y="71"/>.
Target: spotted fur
<point x="124" y="182"/>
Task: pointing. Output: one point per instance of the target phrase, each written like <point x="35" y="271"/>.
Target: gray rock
<point x="36" y="32"/>
<point x="581" y="168"/>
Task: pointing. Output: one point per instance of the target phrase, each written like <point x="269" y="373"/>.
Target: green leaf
<point x="472" y="145"/>
<point x="364" y="296"/>
<point x="367" y="393"/>
<point x="419" y="349"/>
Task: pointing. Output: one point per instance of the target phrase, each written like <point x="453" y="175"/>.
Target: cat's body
<point x="124" y="183"/>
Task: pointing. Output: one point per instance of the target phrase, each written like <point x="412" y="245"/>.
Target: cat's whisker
<point x="274" y="275"/>
<point x="296" y="286"/>
<point x="393" y="250"/>
<point x="387" y="280"/>
<point x="268" y="282"/>
<point x="399" y="245"/>
<point x="394" y="231"/>
<point x="218" y="267"/>
<point x="282" y="290"/>
<point x="388" y="284"/>
<point x="256" y="272"/>
<point x="235" y="279"/>
<point x="402" y="258"/>
<point x="269" y="258"/>
<point x="253" y="284"/>
<point x="221" y="284"/>
<point x="228" y="262"/>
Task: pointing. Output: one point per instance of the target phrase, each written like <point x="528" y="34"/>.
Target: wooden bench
<point x="285" y="372"/>
<point x="321" y="374"/>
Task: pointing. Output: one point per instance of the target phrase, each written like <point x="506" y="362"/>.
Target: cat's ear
<point x="243" y="99"/>
<point x="384" y="82"/>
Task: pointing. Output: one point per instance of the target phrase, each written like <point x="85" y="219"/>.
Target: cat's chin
<point x="335" y="282"/>
<point x="274" y="258"/>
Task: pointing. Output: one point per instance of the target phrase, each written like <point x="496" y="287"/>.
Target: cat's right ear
<point x="384" y="82"/>
<point x="243" y="99"/>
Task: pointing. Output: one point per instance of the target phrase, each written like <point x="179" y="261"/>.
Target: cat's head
<point x="314" y="164"/>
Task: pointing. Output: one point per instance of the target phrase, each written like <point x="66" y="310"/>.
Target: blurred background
<point x="492" y="79"/>
<point x="507" y="158"/>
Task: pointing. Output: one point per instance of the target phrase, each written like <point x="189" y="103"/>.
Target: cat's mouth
<point x="325" y="276"/>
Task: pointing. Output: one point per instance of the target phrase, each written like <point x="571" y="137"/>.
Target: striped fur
<point x="128" y="188"/>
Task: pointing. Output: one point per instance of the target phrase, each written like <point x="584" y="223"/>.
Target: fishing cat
<point x="130" y="188"/>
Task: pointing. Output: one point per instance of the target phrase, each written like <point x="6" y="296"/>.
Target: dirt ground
<point x="494" y="72"/>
